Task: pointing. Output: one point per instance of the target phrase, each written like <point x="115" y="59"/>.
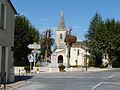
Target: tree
<point x="25" y="34"/>
<point x="70" y="39"/>
<point x="92" y="36"/>
<point x="46" y="43"/>
<point x="104" y="36"/>
<point x="111" y="39"/>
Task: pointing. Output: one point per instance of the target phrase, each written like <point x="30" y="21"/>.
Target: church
<point x="77" y="51"/>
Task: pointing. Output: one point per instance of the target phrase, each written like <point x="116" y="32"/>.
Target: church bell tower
<point x="61" y="32"/>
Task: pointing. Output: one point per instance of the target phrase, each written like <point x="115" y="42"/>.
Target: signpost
<point x="34" y="46"/>
<point x="35" y="50"/>
<point x="30" y="58"/>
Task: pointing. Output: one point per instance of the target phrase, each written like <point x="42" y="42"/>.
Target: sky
<point x="45" y="14"/>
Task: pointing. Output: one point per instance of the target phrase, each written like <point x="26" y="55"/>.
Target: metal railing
<point x="3" y="79"/>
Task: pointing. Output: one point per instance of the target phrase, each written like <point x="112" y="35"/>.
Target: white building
<point x="7" y="18"/>
<point x="77" y="55"/>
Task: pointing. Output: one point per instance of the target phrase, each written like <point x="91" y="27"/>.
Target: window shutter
<point x="0" y="15"/>
<point x="5" y="16"/>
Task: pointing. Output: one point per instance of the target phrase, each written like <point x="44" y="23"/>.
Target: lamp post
<point x="86" y="55"/>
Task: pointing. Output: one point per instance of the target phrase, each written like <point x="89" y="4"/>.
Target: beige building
<point x="7" y="17"/>
<point x="77" y="55"/>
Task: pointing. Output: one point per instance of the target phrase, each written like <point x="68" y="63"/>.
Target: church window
<point x="61" y="36"/>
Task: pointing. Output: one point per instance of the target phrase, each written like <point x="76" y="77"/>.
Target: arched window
<point x="61" y="36"/>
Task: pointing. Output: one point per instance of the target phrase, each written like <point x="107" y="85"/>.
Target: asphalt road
<point x="105" y="80"/>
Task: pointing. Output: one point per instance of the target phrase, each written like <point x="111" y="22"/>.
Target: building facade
<point x="7" y="17"/>
<point x="77" y="55"/>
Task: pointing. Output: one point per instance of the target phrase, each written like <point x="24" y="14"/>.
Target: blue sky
<point x="78" y="13"/>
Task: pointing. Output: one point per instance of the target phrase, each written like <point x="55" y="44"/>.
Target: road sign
<point x="35" y="51"/>
<point x="34" y="46"/>
<point x="30" y="57"/>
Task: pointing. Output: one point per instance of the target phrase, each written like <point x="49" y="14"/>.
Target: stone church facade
<point x="59" y="56"/>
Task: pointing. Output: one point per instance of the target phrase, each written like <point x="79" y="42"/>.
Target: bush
<point x="103" y="66"/>
<point x="27" y="69"/>
<point x="91" y="63"/>
<point x="116" y="64"/>
<point x="61" y="68"/>
<point x="37" y="64"/>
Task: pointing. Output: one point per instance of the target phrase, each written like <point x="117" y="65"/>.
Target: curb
<point x="20" y="85"/>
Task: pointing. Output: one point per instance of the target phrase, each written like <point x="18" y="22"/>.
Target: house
<point x="59" y="56"/>
<point x="7" y="17"/>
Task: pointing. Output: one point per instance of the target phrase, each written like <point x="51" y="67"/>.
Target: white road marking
<point x="111" y="76"/>
<point x="112" y="83"/>
<point x="97" y="85"/>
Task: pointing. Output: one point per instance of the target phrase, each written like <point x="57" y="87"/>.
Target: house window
<point x="61" y="36"/>
<point x="2" y="16"/>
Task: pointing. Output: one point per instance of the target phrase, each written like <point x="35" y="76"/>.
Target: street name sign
<point x="34" y="46"/>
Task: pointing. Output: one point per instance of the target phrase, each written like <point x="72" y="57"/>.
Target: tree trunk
<point x="68" y="55"/>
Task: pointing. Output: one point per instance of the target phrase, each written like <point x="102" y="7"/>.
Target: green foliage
<point x="116" y="63"/>
<point x="92" y="37"/>
<point x="61" y="68"/>
<point x="104" y="36"/>
<point x="37" y="64"/>
<point x="70" y="39"/>
<point x="91" y="62"/>
<point x="102" y="66"/>
<point x="46" y="42"/>
<point x="27" y="68"/>
<point x="25" y="34"/>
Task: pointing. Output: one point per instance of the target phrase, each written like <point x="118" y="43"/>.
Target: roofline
<point x="12" y="6"/>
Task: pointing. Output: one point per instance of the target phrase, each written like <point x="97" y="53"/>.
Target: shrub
<point x="91" y="63"/>
<point x="103" y="66"/>
<point x="37" y="64"/>
<point x="116" y="64"/>
<point x="61" y="68"/>
<point x="27" y="69"/>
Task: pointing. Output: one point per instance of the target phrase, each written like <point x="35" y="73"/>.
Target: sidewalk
<point x="15" y="85"/>
<point x="18" y="84"/>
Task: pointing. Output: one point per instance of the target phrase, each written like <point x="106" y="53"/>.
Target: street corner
<point x="15" y="85"/>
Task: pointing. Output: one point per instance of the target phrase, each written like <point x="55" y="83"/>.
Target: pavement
<point x="13" y="86"/>
<point x="24" y="81"/>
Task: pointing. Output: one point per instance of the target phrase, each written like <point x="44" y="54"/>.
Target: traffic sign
<point x="35" y="51"/>
<point x="30" y="57"/>
<point x="34" y="46"/>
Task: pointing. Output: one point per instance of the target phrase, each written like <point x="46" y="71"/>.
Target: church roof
<point x="61" y="25"/>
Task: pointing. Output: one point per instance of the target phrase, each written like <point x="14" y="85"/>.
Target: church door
<point x="60" y="59"/>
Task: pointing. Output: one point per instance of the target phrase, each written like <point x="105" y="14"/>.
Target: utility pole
<point x="86" y="55"/>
